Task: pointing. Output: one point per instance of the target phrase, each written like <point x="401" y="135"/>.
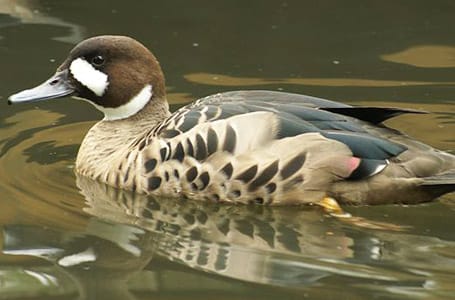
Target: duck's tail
<point x="440" y="184"/>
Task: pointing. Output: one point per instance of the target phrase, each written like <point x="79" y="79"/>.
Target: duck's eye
<point x="97" y="60"/>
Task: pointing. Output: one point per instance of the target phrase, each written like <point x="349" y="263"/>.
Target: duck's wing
<point x="318" y="113"/>
<point x="375" y="115"/>
<point x="215" y="124"/>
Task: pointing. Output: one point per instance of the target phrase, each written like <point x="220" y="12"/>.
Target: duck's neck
<point x="107" y="141"/>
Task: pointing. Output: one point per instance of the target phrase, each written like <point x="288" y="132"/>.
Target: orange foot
<point x="332" y="207"/>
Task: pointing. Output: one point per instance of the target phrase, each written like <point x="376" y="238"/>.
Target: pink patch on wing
<point x="353" y="163"/>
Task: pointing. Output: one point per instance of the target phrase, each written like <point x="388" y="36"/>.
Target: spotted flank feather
<point x="225" y="158"/>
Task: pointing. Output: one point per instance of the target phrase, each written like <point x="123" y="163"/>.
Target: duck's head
<point x="117" y="74"/>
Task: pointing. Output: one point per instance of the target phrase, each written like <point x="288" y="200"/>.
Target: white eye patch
<point x="88" y="76"/>
<point x="128" y="109"/>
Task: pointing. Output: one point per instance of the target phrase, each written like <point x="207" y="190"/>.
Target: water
<point x="69" y="238"/>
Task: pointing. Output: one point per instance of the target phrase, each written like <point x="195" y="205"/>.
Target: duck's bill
<point x="55" y="87"/>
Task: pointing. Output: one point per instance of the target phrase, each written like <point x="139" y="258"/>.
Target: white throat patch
<point x="128" y="109"/>
<point x="88" y="76"/>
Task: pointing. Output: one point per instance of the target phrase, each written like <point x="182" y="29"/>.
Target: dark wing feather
<point x="373" y="115"/>
<point x="365" y="145"/>
<point x="368" y="167"/>
<point x="190" y="120"/>
<point x="290" y="125"/>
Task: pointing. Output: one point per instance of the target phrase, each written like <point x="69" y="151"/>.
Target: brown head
<point x="115" y="73"/>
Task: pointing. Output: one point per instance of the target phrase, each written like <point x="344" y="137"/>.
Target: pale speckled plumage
<point x="255" y="146"/>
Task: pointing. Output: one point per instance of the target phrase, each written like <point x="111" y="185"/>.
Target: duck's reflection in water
<point x="295" y="247"/>
<point x="258" y="244"/>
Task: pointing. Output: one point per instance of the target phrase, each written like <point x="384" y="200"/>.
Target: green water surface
<point x="64" y="237"/>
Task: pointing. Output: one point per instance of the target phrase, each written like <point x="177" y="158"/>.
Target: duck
<point x="242" y="147"/>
